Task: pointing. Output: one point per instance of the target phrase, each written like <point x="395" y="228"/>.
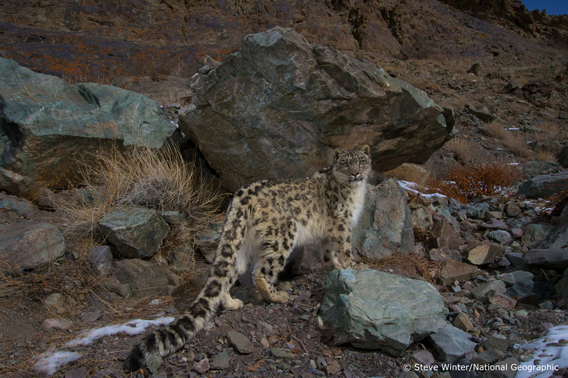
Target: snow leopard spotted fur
<point x="264" y="223"/>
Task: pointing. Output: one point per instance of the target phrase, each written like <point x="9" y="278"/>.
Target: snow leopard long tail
<point x="222" y="275"/>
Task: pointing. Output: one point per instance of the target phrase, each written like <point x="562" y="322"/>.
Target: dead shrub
<point x="409" y="172"/>
<point x="157" y="179"/>
<point x="459" y="147"/>
<point x="465" y="183"/>
<point x="549" y="132"/>
<point x="545" y="155"/>
<point x="516" y="145"/>
<point x="496" y="130"/>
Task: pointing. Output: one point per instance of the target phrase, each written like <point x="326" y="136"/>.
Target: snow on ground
<point x="550" y="354"/>
<point x="410" y="187"/>
<point x="51" y="360"/>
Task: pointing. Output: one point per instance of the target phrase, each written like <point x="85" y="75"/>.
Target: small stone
<point x="240" y="342"/>
<point x="202" y="366"/>
<point x="517" y="233"/>
<point x="154" y="363"/>
<point x="273" y="339"/>
<point x="332" y="367"/>
<point x="282" y="353"/>
<point x="77" y="373"/>
<point x="264" y="343"/>
<point x="522" y="313"/>
<point x="462" y="322"/>
<point x="504" y="301"/>
<point x="55" y="300"/>
<point x="512" y="210"/>
<point x="220" y="361"/>
<point x="91" y="316"/>
<point x="486" y="253"/>
<point x="56" y="323"/>
<point x="423" y="357"/>
<point x="500" y="236"/>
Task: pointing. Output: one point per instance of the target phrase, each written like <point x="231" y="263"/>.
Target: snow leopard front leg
<point x="337" y="246"/>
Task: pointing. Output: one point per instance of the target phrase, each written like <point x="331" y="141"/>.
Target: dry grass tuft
<point x="465" y="183"/>
<point x="549" y="132"/>
<point x="496" y="130"/>
<point x="157" y="179"/>
<point x="409" y="172"/>
<point x="545" y="155"/>
<point x="516" y="145"/>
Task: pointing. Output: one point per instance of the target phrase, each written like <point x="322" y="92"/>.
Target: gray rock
<point x="423" y="357"/>
<point x="281" y="99"/>
<point x="557" y="238"/>
<point x="51" y="125"/>
<point x="562" y="286"/>
<point x="173" y="217"/>
<point x="101" y="259"/>
<point x="282" y="353"/>
<point x="500" y="236"/>
<point x="144" y="278"/>
<point x="372" y="309"/>
<point x="55" y="300"/>
<point x="547" y="258"/>
<point x="56" y="323"/>
<point x="220" y="361"/>
<point x="202" y="366"/>
<point x="512" y="209"/>
<point x="497" y="343"/>
<point x="483" y="292"/>
<point x="452" y="343"/>
<point x="521" y="289"/>
<point x="20" y="206"/>
<point x="535" y="233"/>
<point x="456" y="271"/>
<point x="503" y="369"/>
<point x="544" y="186"/>
<point x="385" y="225"/>
<point x="240" y="342"/>
<point x="29" y="245"/>
<point x="134" y="232"/>
<point x="485" y="253"/>
<point x="443" y="254"/>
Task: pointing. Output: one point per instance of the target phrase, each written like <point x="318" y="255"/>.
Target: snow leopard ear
<point x="336" y="154"/>
<point x="366" y="150"/>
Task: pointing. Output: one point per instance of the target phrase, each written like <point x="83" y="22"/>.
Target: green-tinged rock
<point x="372" y="309"/>
<point x="385" y="225"/>
<point x="143" y="278"/>
<point x="47" y="125"/>
<point x="279" y="107"/>
<point x="134" y="232"/>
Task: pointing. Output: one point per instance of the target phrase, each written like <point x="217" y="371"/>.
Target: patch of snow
<point x="513" y="128"/>
<point x="133" y="327"/>
<point x="48" y="362"/>
<point x="409" y="186"/>
<point x="548" y="357"/>
<point x="51" y="360"/>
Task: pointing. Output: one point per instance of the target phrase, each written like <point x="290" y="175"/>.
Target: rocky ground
<point x="520" y="85"/>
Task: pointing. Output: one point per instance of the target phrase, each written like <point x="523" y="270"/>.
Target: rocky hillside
<point x="106" y="40"/>
<point x="457" y="283"/>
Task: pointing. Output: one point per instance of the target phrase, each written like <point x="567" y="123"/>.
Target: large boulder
<point x="385" y="225"/>
<point x="279" y="107"/>
<point x="544" y="186"/>
<point x="47" y="125"/>
<point x="372" y="309"/>
<point x="27" y="245"/>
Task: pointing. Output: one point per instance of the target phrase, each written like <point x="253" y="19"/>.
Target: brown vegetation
<point x="465" y="183"/>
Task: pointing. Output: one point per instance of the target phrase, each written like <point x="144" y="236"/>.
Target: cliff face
<point x="96" y="40"/>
